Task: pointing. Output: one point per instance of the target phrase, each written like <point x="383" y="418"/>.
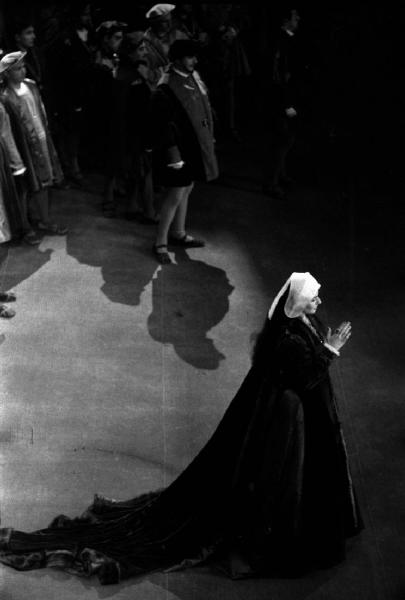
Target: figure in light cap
<point x="13" y="188"/>
<point x="158" y="38"/>
<point x="29" y="122"/>
<point x="12" y="59"/>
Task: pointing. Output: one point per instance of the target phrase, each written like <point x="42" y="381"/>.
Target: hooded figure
<point x="269" y="494"/>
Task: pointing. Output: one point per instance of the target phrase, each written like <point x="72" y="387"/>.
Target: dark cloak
<point x="271" y="491"/>
<point x="181" y="128"/>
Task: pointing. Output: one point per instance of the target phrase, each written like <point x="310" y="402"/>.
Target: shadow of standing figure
<point x="126" y="267"/>
<point x="18" y="263"/>
<point x="183" y="312"/>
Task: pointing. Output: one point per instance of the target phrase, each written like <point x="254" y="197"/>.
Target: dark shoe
<point x="32" y="239"/>
<point x="186" y="242"/>
<point x="62" y="185"/>
<point x="6" y="313"/>
<point x="274" y="192"/>
<point x="7" y="297"/>
<point x="162" y="257"/>
<point x="52" y="228"/>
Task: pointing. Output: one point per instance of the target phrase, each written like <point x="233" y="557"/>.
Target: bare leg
<point x="178" y="228"/>
<point x="178" y="233"/>
<point x="168" y="212"/>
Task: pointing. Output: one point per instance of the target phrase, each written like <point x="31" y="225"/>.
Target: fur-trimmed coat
<point x="27" y="141"/>
<point x="181" y="127"/>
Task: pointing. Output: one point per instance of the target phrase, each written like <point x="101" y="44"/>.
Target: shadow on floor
<point x="188" y="299"/>
<point x="112" y="245"/>
<point x="19" y="262"/>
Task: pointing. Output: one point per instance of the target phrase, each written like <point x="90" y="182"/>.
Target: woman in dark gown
<point x="270" y="493"/>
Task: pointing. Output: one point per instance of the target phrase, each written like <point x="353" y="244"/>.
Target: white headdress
<point x="303" y="288"/>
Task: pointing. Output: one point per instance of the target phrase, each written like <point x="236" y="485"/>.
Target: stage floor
<point x="115" y="371"/>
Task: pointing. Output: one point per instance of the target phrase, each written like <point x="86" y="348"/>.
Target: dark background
<point x="352" y="118"/>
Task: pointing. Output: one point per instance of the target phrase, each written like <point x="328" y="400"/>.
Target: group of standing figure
<point x="135" y="103"/>
<point x="129" y="102"/>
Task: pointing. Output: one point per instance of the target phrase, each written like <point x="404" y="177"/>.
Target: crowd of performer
<point x="137" y="105"/>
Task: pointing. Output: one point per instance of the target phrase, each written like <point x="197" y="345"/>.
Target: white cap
<point x="159" y="10"/>
<point x="10" y="60"/>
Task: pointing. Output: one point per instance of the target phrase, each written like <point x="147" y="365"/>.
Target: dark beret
<point x="181" y="48"/>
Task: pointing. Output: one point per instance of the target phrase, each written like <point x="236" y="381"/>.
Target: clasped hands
<point x="340" y="336"/>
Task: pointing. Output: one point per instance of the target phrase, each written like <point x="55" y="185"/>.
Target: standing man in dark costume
<point x="71" y="65"/>
<point x="134" y="72"/>
<point x="280" y="106"/>
<point x="183" y="145"/>
<point x="106" y="108"/>
<point x="24" y="39"/>
<point x="270" y="493"/>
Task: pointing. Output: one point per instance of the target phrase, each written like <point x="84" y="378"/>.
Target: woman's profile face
<point x="311" y="307"/>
